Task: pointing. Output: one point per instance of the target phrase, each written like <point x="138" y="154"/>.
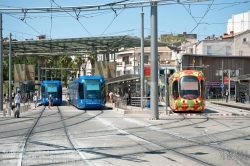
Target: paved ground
<point x="68" y="136"/>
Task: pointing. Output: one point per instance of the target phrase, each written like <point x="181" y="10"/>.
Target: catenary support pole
<point x="1" y="68"/>
<point x="10" y="74"/>
<point x="39" y="78"/>
<point x="166" y="90"/>
<point x="142" y="57"/>
<point x="154" y="115"/>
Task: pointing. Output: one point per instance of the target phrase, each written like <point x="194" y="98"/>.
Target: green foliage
<point x="173" y="38"/>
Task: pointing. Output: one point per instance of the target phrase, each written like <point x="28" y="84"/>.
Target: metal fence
<point x="136" y="101"/>
<point x="121" y="103"/>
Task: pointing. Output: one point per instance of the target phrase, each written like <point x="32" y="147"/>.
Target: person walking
<point x="6" y="101"/>
<point x="68" y="99"/>
<point x="35" y="99"/>
<point x="50" y="100"/>
<point x="13" y="96"/>
<point x="227" y="94"/>
<point x="17" y="101"/>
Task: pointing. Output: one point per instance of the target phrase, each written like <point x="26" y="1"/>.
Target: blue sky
<point x="175" y="18"/>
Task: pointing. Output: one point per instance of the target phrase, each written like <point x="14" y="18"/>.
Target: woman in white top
<point x="35" y="99"/>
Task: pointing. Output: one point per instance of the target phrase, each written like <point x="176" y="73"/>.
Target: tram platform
<point x="162" y="109"/>
<point x="245" y="106"/>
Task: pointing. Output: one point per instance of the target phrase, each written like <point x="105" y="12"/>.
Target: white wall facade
<point x="239" y="22"/>
<point x="215" y="47"/>
<point x="242" y="44"/>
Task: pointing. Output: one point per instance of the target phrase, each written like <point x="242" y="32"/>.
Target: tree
<point x="66" y="61"/>
<point x="92" y="58"/>
<point x="79" y="60"/>
<point x="173" y="38"/>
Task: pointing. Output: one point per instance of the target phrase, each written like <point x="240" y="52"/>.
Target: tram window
<point x="189" y="87"/>
<point x="81" y="91"/>
<point x="175" y="90"/>
<point x="103" y="90"/>
<point x="203" y="91"/>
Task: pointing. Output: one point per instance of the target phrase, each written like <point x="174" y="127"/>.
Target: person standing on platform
<point x="6" y="100"/>
<point x="227" y="94"/>
<point x="17" y="101"/>
<point x="35" y="99"/>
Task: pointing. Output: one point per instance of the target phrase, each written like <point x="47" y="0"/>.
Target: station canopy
<point x="74" y="46"/>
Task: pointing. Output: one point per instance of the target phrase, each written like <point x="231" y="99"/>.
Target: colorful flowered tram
<point x="187" y="91"/>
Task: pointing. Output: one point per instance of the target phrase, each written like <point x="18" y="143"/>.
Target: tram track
<point x="191" y="139"/>
<point x="237" y="109"/>
<point x="27" y="137"/>
<point x="218" y="142"/>
<point x="135" y="137"/>
<point x="59" y="150"/>
<point x="20" y="129"/>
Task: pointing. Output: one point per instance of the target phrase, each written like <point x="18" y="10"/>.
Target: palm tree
<point x="79" y="60"/>
<point x="65" y="62"/>
<point x="92" y="58"/>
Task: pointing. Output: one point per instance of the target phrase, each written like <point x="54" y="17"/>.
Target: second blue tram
<point x="54" y="87"/>
<point x="88" y="92"/>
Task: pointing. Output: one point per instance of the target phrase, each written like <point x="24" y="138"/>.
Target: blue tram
<point x="54" y="87"/>
<point x="88" y="92"/>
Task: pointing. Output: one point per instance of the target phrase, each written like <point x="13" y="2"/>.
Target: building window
<point x="161" y="72"/>
<point x="208" y="50"/>
<point x="127" y="72"/>
<point x="244" y="40"/>
<point x="201" y="63"/>
<point x="240" y="53"/>
<point x="145" y="59"/>
<point x="228" y="50"/>
<point x="111" y="56"/>
<point x="118" y="73"/>
<point x="125" y="59"/>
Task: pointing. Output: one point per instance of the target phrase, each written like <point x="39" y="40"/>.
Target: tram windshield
<point x="52" y="88"/>
<point x="189" y="87"/>
<point x="93" y="90"/>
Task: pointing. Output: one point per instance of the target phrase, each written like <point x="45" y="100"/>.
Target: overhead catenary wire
<point x="75" y="18"/>
<point x="124" y="5"/>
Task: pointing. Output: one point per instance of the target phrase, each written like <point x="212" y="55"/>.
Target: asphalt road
<point x="68" y="136"/>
